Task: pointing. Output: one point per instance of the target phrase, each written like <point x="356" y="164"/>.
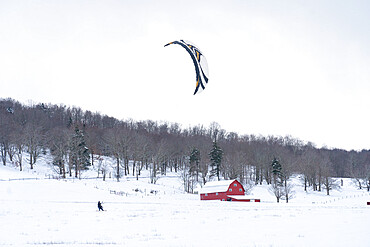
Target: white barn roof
<point x="216" y="186"/>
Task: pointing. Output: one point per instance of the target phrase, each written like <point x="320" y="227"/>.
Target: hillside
<point x="38" y="211"/>
<point x="73" y="135"/>
<point x="170" y="184"/>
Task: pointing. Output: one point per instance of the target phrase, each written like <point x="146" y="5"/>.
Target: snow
<point x="216" y="186"/>
<point x="243" y="197"/>
<point x="38" y="211"/>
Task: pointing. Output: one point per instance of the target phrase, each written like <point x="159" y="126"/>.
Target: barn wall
<point x="235" y="188"/>
<point x="214" y="196"/>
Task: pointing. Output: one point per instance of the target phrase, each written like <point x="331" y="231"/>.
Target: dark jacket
<point x="100" y="206"/>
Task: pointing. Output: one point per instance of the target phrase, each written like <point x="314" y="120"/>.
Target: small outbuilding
<point x="222" y="190"/>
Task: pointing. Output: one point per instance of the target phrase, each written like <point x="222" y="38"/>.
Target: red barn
<point x="221" y="190"/>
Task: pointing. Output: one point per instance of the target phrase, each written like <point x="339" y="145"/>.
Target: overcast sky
<point x="299" y="68"/>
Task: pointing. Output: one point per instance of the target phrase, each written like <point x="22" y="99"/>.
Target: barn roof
<point x="216" y="186"/>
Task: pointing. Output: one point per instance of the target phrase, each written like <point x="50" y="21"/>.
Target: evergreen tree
<point x="194" y="163"/>
<point x="280" y="186"/>
<point x="276" y="170"/>
<point x="79" y="152"/>
<point x="59" y="162"/>
<point x="216" y="158"/>
<point x="195" y="155"/>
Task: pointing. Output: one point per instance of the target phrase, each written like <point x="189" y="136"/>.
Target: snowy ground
<point x="46" y="212"/>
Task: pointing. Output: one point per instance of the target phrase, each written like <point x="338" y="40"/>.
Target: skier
<point x="100" y="206"/>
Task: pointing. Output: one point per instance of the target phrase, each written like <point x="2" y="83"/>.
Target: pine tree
<point x="276" y="170"/>
<point x="79" y="152"/>
<point x="216" y="158"/>
<point x="59" y="162"/>
<point x="277" y="185"/>
<point x="194" y="163"/>
<point x="280" y="186"/>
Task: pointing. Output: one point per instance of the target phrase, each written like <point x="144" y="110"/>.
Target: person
<point x="100" y="206"/>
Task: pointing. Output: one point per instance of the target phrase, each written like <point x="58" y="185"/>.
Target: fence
<point x="343" y="198"/>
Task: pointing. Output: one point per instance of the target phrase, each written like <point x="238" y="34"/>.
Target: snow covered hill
<point x="39" y="211"/>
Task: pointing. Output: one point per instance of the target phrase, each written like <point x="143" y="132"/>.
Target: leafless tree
<point x="367" y="176"/>
<point x="58" y="141"/>
<point x="103" y="166"/>
<point x="277" y="190"/>
<point x="116" y="140"/>
<point x="329" y="184"/>
<point x="188" y="180"/>
<point x="164" y="146"/>
<point x="33" y="139"/>
<point x="288" y="191"/>
<point x="5" y="127"/>
<point x="19" y="146"/>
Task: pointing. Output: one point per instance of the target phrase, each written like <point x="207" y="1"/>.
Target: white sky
<point x="299" y="68"/>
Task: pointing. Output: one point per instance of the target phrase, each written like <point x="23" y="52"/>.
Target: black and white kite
<point x="200" y="64"/>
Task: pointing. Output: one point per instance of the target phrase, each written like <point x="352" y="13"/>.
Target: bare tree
<point x="158" y="160"/>
<point x="288" y="191"/>
<point x="329" y="184"/>
<point x="103" y="166"/>
<point x="367" y="176"/>
<point x="117" y="142"/>
<point x="58" y="140"/>
<point x="33" y="139"/>
<point x="188" y="179"/>
<point x="308" y="167"/>
<point x="277" y="190"/>
<point x="326" y="171"/>
<point x="5" y="128"/>
<point x="18" y="142"/>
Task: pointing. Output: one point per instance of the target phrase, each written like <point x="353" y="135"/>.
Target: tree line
<point x="78" y="139"/>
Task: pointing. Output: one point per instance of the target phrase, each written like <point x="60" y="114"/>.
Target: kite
<point x="200" y="64"/>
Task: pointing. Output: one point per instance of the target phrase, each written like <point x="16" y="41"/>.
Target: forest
<point x="77" y="139"/>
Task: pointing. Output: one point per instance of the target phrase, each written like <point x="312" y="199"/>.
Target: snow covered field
<point x="46" y="212"/>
